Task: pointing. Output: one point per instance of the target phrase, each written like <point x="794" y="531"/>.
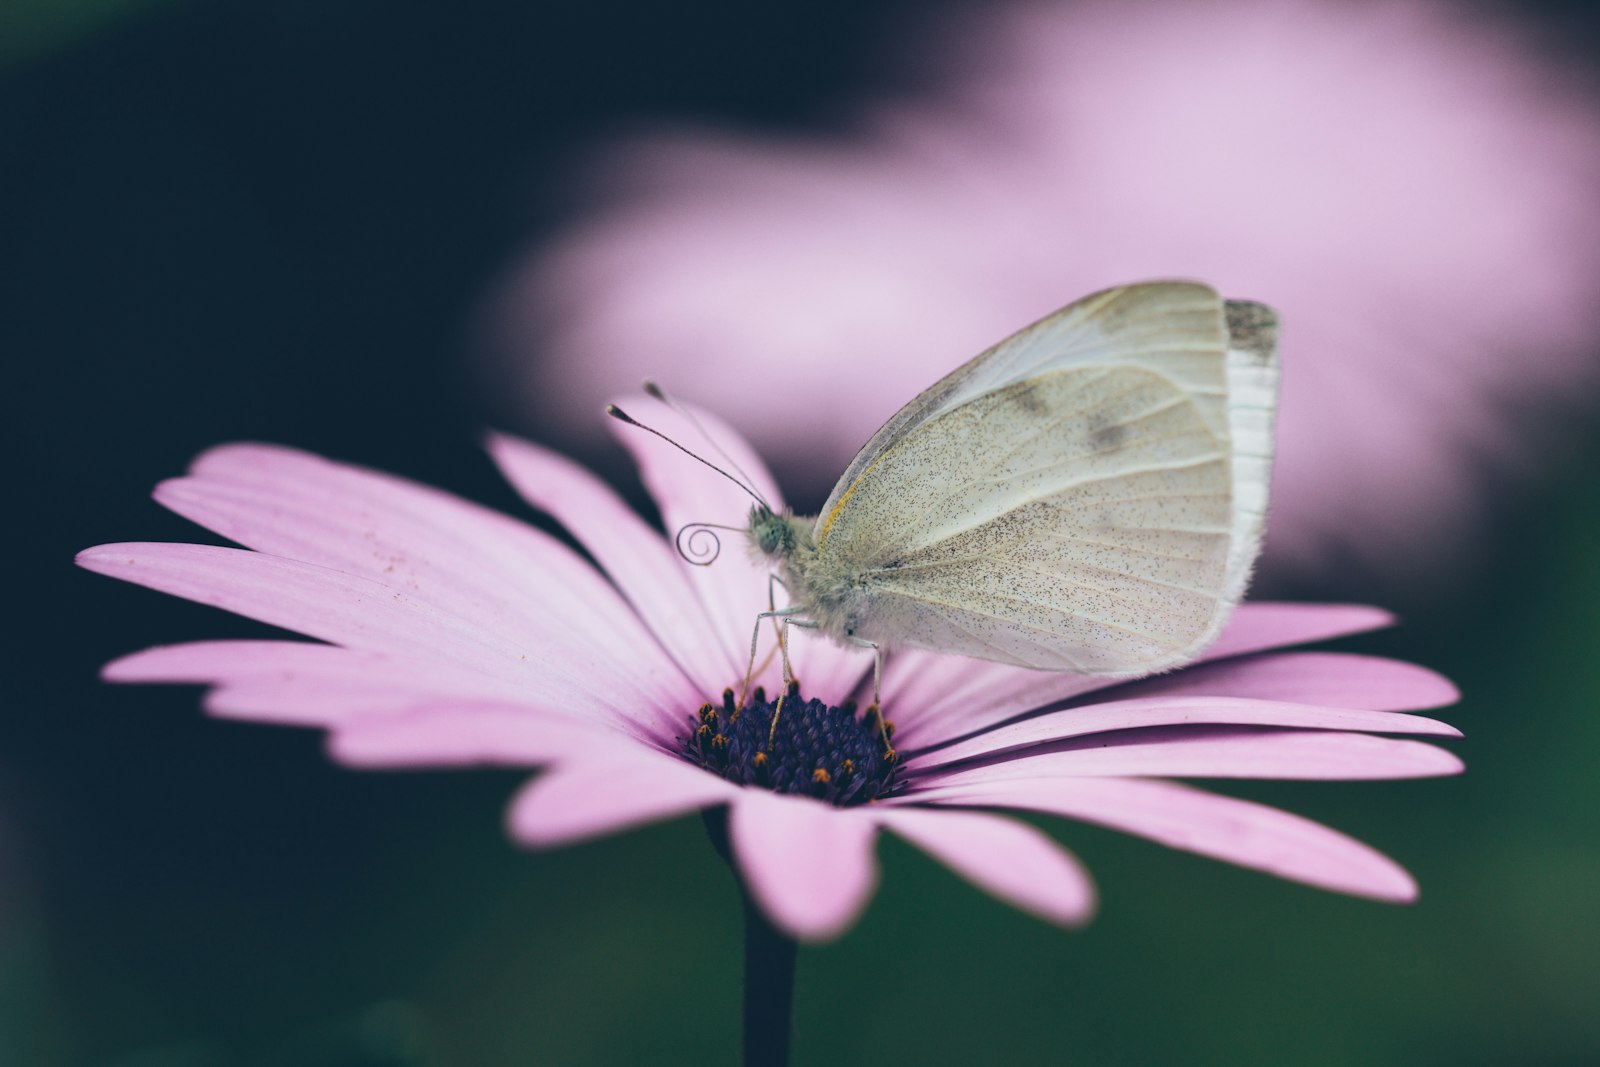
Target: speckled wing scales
<point x="1177" y="325"/>
<point x="1252" y="373"/>
<point x="1072" y="499"/>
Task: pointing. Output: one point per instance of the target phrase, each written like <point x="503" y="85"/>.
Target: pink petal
<point x="1339" y="679"/>
<point x="1001" y="856"/>
<point x="810" y="866"/>
<point x="306" y="669"/>
<point x="298" y="683"/>
<point x="298" y="703"/>
<point x="1256" y="627"/>
<point x="213" y="662"/>
<point x="1176" y="711"/>
<point x="1235" y="831"/>
<point x="434" y="547"/>
<point x="317" y="601"/>
<point x="934" y="697"/>
<point x="646" y="569"/>
<point x="1221" y="752"/>
<point x="593" y="796"/>
<point x="474" y="734"/>
<point x="733" y="589"/>
<point x="362" y="614"/>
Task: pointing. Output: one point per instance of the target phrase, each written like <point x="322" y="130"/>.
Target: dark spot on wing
<point x="1105" y="435"/>
<point x="1026" y="396"/>
<point x="1252" y="328"/>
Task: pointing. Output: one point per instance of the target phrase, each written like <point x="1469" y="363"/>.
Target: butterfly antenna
<point x="661" y="394"/>
<point x="622" y="416"/>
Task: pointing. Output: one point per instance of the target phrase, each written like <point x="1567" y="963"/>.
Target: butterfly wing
<point x="1087" y="495"/>
<point x="1252" y="376"/>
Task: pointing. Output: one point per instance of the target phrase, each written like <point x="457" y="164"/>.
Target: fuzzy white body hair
<point x="830" y="597"/>
<point x="1086" y="496"/>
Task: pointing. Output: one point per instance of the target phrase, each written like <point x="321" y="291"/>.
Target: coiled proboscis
<point x="693" y="548"/>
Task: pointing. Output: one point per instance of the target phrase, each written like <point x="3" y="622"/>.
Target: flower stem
<point x="769" y="959"/>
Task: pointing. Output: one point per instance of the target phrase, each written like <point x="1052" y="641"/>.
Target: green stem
<point x="769" y="962"/>
<point x="769" y="958"/>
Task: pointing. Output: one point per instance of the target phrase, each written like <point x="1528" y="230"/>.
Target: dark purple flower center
<point x="822" y="751"/>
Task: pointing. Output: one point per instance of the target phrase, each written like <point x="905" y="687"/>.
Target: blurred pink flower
<point x="457" y="635"/>
<point x="1412" y="185"/>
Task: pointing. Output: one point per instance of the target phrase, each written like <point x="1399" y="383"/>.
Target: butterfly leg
<point x="772" y="612"/>
<point x="789" y="680"/>
<point x="875" y="710"/>
<point x="779" y="632"/>
<point x="755" y="638"/>
<point x="877" y="674"/>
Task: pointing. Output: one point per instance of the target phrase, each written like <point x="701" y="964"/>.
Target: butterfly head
<point x="771" y="533"/>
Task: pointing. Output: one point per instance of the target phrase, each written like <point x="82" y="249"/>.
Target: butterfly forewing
<point x="1177" y="325"/>
<point x="1252" y="373"/>
<point x="1068" y="500"/>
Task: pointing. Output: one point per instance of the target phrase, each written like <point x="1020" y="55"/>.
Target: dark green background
<point x="272" y="220"/>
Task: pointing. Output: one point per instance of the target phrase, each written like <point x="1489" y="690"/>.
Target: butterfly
<point x="1088" y="495"/>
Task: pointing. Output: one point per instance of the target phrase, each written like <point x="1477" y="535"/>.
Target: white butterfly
<point x="1088" y="495"/>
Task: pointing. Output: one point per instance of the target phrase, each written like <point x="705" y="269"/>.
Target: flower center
<point x="826" y="752"/>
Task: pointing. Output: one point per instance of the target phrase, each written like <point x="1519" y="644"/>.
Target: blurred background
<point x="373" y="229"/>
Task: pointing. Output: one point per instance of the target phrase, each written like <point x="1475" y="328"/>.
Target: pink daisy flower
<point x="1411" y="182"/>
<point x="448" y="634"/>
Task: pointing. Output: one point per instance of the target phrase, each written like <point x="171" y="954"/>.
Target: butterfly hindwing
<point x="1070" y="500"/>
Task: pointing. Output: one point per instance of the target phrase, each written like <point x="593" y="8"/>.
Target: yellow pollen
<point x="821" y="777"/>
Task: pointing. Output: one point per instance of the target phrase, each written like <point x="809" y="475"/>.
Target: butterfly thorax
<point x="827" y="596"/>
